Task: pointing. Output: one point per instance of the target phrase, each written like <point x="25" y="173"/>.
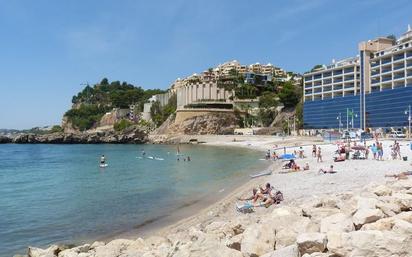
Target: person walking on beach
<point x="314" y="151"/>
<point x="398" y="150"/>
<point x="380" y="151"/>
<point x="319" y="155"/>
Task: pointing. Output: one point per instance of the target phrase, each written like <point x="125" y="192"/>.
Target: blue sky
<point x="48" y="48"/>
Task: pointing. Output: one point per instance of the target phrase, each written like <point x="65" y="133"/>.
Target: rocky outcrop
<point x="132" y="135"/>
<point x="202" y="124"/>
<point x="5" y="139"/>
<point x="334" y="225"/>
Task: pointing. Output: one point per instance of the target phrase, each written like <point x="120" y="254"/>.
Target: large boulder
<point x="364" y="216"/>
<point x="51" y="251"/>
<point x="288" y="251"/>
<point x="404" y="201"/>
<point x="288" y="223"/>
<point x="311" y="242"/>
<point x="382" y="190"/>
<point x="337" y="223"/>
<point x="75" y="251"/>
<point x="235" y="242"/>
<point x="370" y="243"/>
<point x="258" y="240"/>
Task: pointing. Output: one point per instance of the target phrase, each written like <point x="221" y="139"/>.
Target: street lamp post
<point x="408" y="111"/>
<point x="340" y="120"/>
<point x="356" y="115"/>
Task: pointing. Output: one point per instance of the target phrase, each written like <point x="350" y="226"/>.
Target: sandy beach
<point x="297" y="187"/>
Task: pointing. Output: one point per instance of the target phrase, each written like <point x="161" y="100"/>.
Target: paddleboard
<point x="150" y="157"/>
<point x="159" y="159"/>
<point x="267" y="173"/>
<point x="103" y="165"/>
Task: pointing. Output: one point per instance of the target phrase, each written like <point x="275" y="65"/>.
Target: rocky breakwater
<point x="376" y="221"/>
<point x="132" y="135"/>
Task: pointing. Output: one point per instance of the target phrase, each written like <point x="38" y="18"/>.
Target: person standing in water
<point x="102" y="160"/>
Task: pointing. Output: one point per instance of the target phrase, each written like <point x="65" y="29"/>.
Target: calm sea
<point x="59" y="194"/>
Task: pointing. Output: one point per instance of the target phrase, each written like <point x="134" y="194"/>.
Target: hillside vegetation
<point x="93" y="102"/>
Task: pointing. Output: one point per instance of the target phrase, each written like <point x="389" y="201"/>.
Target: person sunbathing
<point x="330" y="170"/>
<point x="289" y="165"/>
<point x="274" y="197"/>
<point x="402" y="175"/>
<point x="339" y="158"/>
<point x="257" y="193"/>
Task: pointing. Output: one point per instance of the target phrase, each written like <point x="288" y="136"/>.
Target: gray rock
<point x="288" y="251"/>
<point x="311" y="242"/>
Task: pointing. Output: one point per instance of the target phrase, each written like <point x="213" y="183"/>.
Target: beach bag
<point x="278" y="197"/>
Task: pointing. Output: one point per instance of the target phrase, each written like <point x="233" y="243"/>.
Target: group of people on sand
<point x="261" y="197"/>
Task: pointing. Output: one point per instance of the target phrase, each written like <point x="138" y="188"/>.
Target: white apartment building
<point x="376" y="86"/>
<point x="339" y="79"/>
<point x="392" y="67"/>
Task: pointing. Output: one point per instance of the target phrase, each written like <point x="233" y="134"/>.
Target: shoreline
<point x="298" y="187"/>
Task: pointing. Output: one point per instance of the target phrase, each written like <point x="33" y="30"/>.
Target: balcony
<point x="399" y="76"/>
<point x="327" y="89"/>
<point x="317" y="77"/>
<point x="398" y="67"/>
<point x="385" y="71"/>
<point x="308" y="78"/>
<point x="327" y="74"/>
<point x="337" y="80"/>
<point x="348" y="70"/>
<point x="337" y="88"/>
<point x="375" y="73"/>
<point x="385" y="61"/>
<point x="386" y="79"/>
<point x="335" y="73"/>
<point x="398" y="57"/>
<point x="408" y="54"/>
<point x="375" y="81"/>
<point x="375" y="64"/>
<point x="327" y="82"/>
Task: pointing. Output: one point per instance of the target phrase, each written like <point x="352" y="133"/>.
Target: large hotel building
<point x="375" y="86"/>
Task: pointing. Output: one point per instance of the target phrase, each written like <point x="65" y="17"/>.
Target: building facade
<point x="371" y="90"/>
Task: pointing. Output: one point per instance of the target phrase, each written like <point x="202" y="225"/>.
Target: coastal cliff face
<point x="204" y="124"/>
<point x="132" y="135"/>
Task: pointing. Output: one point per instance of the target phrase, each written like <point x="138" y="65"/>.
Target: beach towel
<point x="245" y="208"/>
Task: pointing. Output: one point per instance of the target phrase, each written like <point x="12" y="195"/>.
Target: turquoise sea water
<point x="58" y="194"/>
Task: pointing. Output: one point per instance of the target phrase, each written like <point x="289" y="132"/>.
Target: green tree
<point x="122" y="125"/>
<point x="393" y="37"/>
<point x="288" y="95"/>
<point x="317" y="66"/>
<point x="267" y="108"/>
<point x="56" y="128"/>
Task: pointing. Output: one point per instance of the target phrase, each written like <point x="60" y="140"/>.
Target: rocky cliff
<point x="213" y="123"/>
<point x="132" y="135"/>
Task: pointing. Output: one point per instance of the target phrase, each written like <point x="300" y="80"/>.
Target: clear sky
<point x="48" y="48"/>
